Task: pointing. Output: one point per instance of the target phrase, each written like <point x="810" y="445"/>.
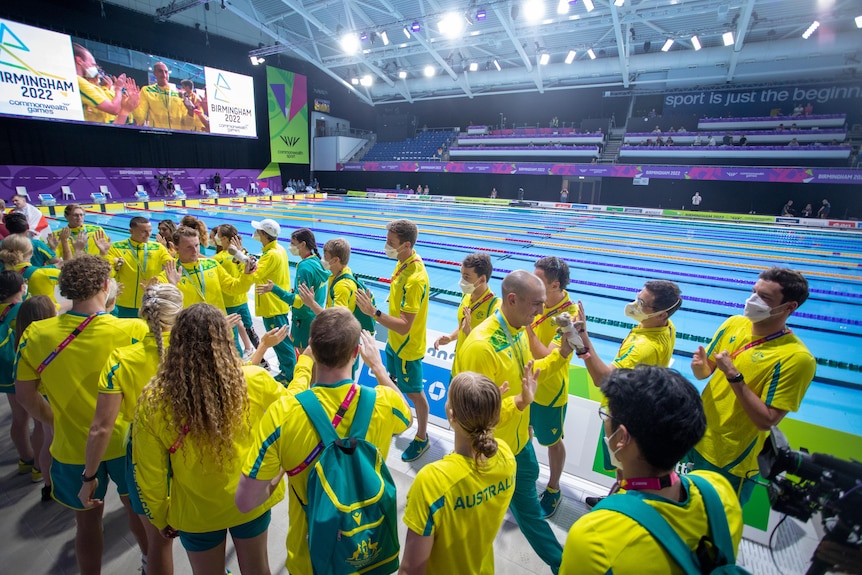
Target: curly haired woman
<point x="193" y="426"/>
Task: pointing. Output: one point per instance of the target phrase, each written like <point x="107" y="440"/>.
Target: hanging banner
<point x="287" y="104"/>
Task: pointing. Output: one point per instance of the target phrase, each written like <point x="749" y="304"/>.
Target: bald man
<point x="161" y="106"/>
<point x="499" y="349"/>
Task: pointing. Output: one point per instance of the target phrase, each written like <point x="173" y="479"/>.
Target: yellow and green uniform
<point x="8" y="315"/>
<point x="500" y="352"/>
<point x="604" y="542"/>
<point x="648" y="346"/>
<point x="484" y="306"/>
<point x="205" y="281"/>
<point x="91" y="96"/>
<point x="285" y="437"/>
<point x="553" y="388"/>
<point x="342" y="293"/>
<point x="40" y="281"/>
<point x="71" y="380"/>
<point x="235" y="269"/>
<point x="43" y="255"/>
<point x="408" y="293"/>
<point x="778" y="372"/>
<point x="273" y="265"/>
<point x="463" y="508"/>
<point x="309" y="272"/>
<point x="141" y="262"/>
<point x="91" y="230"/>
<point x="163" y="108"/>
<point x="187" y="490"/>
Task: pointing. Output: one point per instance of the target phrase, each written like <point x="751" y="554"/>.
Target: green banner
<point x="287" y="105"/>
<point x="720" y="216"/>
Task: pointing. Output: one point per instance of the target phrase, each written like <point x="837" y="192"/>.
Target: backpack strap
<point x="364" y="411"/>
<point x="311" y="405"/>
<point x="717" y="517"/>
<point x="635" y="508"/>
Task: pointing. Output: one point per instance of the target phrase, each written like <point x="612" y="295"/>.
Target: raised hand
<point x="264" y="288"/>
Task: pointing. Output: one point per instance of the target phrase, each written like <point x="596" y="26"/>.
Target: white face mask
<point x="466" y="286"/>
<point x="92" y="71"/>
<point x="636" y="312"/>
<point x="293" y="250"/>
<point x="613" y="453"/>
<point x="325" y="265"/>
<point x="255" y="236"/>
<point x="391" y="252"/>
<point x="756" y="309"/>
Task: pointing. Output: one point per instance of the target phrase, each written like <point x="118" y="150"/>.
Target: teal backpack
<point x="351" y="507"/>
<point x="715" y="553"/>
<point x="7" y="344"/>
<point x="366" y="321"/>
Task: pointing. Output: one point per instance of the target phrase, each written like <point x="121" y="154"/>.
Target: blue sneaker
<point x="415" y="450"/>
<point x="550" y="501"/>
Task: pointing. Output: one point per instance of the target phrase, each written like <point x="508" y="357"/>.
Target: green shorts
<point x="8" y="389"/>
<point x="548" y="423"/>
<point x="243" y="312"/>
<point x="407" y="374"/>
<point x="197" y="542"/>
<point x="66" y="479"/>
<point x="742" y="486"/>
<point x="126" y="312"/>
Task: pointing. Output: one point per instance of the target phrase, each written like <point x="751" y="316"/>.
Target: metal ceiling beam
<point x="298" y="51"/>
<point x="741" y="30"/>
<point x="504" y="22"/>
<point x="622" y="53"/>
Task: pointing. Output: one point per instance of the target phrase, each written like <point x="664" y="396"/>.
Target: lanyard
<point x="519" y="356"/>
<point x="134" y="250"/>
<point x="654" y="483"/>
<point x="552" y="312"/>
<point x="475" y="306"/>
<point x="69" y="339"/>
<point x="770" y="337"/>
<point x="403" y="267"/>
<point x="339" y="415"/>
<point x="6" y="311"/>
<point x="202" y="290"/>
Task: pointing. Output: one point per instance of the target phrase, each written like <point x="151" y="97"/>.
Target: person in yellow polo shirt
<point x="222" y="237"/>
<point x="406" y="321"/>
<point x="135" y="261"/>
<point x="193" y="427"/>
<point x="548" y="412"/>
<point x="652" y="418"/>
<point x="161" y="106"/>
<point x="651" y="342"/>
<point x="103" y="104"/>
<point x="759" y="371"/>
<point x="121" y="382"/>
<point x="478" y="303"/>
<point x="16" y="252"/>
<point x="67" y="368"/>
<point x="455" y="506"/>
<point x="498" y="349"/>
<point x="285" y="436"/>
<point x="76" y="231"/>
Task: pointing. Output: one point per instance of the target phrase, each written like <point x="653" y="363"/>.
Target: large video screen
<point x="52" y="76"/>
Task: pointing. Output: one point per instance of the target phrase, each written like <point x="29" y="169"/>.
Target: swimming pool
<point x="610" y="257"/>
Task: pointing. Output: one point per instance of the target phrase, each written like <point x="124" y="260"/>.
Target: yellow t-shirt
<point x="344" y="291"/>
<point x="483" y="310"/>
<point x="92" y="230"/>
<point x="462" y="508"/>
<point x="40" y="281"/>
<point x="71" y="380"/>
<point x="235" y="270"/>
<point x="207" y="282"/>
<point x="408" y="293"/>
<point x="141" y="262"/>
<point x="91" y="96"/>
<point x="163" y="108"/>
<point x="603" y="541"/>
<point x="778" y="372"/>
<point x="285" y="437"/>
<point x="648" y="346"/>
<point x="185" y="490"/>
<point x="273" y="265"/>
<point x="553" y="389"/>
<point x="128" y="370"/>
<point x="500" y="352"/>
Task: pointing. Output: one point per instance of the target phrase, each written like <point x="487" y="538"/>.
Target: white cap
<point x="267" y="226"/>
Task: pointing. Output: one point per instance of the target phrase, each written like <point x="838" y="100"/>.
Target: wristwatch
<point x="86" y="479"/>
<point x="736" y="378"/>
<point x="378" y="313"/>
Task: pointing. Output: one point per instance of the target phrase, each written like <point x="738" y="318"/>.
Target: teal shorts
<point x="127" y="312"/>
<point x="66" y="479"/>
<point x="8" y="389"/>
<point x="243" y="312"/>
<point x="197" y="542"/>
<point x="300" y="331"/>
<point x="407" y="374"/>
<point x="548" y="423"/>
<point x="743" y="487"/>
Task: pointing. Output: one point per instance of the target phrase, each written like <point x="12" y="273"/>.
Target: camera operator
<point x="653" y="417"/>
<point x="759" y="371"/>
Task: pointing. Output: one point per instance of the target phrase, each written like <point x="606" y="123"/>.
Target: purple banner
<point x="718" y="173"/>
<point x="121" y="182"/>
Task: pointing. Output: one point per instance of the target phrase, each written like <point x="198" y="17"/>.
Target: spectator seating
<point x="821" y="121"/>
<point x="524" y="151"/>
<point x="721" y="152"/>
<point x="768" y="137"/>
<point x="424" y="146"/>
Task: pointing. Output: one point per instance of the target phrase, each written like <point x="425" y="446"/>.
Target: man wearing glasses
<point x="649" y="343"/>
